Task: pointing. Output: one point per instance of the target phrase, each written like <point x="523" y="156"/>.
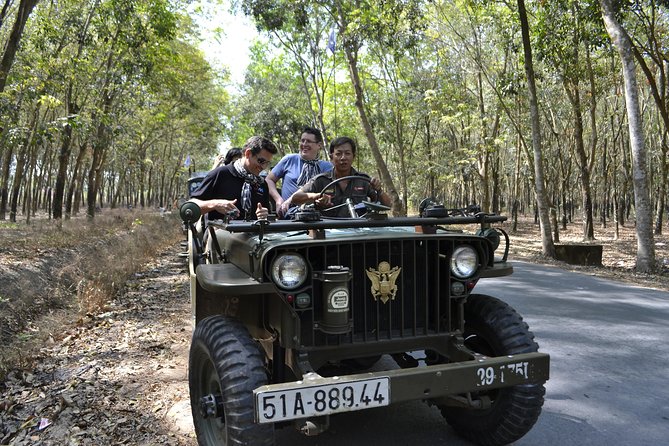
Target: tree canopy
<point x="111" y="103"/>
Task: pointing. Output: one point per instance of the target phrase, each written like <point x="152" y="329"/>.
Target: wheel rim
<point x="213" y="426"/>
<point x="225" y="366"/>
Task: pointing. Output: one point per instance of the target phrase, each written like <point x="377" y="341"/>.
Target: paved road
<point x="609" y="386"/>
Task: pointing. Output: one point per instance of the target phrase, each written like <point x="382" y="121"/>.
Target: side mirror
<point x="190" y="212"/>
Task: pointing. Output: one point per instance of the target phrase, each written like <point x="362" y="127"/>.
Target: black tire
<point x="494" y="328"/>
<point x="226" y="363"/>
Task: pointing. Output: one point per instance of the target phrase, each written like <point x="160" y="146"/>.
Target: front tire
<point x="225" y="365"/>
<point x="494" y="328"/>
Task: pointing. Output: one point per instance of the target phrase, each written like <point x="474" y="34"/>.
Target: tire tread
<point x="517" y="408"/>
<point x="238" y="361"/>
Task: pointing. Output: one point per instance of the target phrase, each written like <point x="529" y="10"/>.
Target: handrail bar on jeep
<point x="287" y="226"/>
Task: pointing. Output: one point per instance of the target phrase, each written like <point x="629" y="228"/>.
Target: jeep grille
<point x="422" y="305"/>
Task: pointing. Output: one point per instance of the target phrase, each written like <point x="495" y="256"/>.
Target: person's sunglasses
<point x="262" y="161"/>
<point x="308" y="141"/>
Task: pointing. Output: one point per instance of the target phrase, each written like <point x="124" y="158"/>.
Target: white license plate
<point x="324" y="399"/>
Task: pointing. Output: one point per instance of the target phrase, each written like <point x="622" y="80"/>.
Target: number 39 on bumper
<point x="324" y="399"/>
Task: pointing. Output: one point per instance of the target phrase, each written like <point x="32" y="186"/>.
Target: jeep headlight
<point x="289" y="271"/>
<point x="464" y="262"/>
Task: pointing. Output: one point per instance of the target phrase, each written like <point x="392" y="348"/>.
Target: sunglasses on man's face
<point x="262" y="161"/>
<point x="308" y="141"/>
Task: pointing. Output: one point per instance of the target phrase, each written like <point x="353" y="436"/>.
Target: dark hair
<point x="258" y="143"/>
<point x="231" y="155"/>
<point x="314" y="131"/>
<point x="340" y="142"/>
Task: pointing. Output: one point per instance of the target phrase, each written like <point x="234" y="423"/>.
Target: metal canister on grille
<point x="336" y="300"/>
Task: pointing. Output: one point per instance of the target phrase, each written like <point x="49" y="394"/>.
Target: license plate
<point x="323" y="399"/>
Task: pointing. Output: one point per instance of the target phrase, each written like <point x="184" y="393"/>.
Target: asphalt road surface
<point x="609" y="385"/>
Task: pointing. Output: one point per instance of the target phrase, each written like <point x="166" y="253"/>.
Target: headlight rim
<point x="456" y="268"/>
<point x="275" y="273"/>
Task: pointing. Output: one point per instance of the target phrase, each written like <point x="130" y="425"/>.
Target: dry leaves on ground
<point x="115" y="378"/>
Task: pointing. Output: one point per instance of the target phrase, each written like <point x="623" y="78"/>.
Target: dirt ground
<point x="120" y="376"/>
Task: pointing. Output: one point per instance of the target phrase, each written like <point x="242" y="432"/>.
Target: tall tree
<point x="645" y="260"/>
<point x="548" y="248"/>
<point x="73" y="103"/>
<point x="8" y="56"/>
<point x="301" y="33"/>
<point x="651" y="44"/>
<point x="23" y="12"/>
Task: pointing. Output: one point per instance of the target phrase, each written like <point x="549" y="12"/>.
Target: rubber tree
<point x="645" y="260"/>
<point x="301" y="30"/>
<point x="73" y="106"/>
<point x="649" y="44"/>
<point x="11" y="47"/>
<point x="363" y="22"/>
<point x="548" y="248"/>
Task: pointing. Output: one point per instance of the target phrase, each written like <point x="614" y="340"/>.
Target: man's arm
<point x="217" y="204"/>
<point x="384" y="198"/>
<point x="305" y="195"/>
<point x="381" y="195"/>
<point x="301" y="197"/>
<point x="271" y="181"/>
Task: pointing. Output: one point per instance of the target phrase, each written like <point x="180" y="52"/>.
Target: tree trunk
<point x="12" y="45"/>
<point x="73" y="183"/>
<point x="645" y="261"/>
<point x="583" y="164"/>
<point x="63" y="161"/>
<point x="4" y="179"/>
<point x="548" y="248"/>
<point x="99" y="146"/>
<point x="386" y="178"/>
<point x="516" y="187"/>
<point x="662" y="187"/>
<point x="3" y="12"/>
<point x="18" y="180"/>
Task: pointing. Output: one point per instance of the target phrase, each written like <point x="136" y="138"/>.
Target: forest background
<point x="521" y="107"/>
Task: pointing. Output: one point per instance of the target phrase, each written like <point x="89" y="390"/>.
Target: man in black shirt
<point x="342" y="154"/>
<point x="238" y="187"/>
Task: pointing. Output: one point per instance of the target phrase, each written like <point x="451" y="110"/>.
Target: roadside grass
<point x="54" y="274"/>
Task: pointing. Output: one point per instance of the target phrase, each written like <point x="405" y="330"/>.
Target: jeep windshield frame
<point x="265" y="226"/>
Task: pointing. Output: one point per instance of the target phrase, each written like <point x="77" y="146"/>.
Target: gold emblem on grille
<point x="383" y="281"/>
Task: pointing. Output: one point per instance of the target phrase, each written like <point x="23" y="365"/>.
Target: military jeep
<point x="292" y="319"/>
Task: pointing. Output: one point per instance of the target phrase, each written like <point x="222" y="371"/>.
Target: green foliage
<point x="562" y="26"/>
<point x="443" y="87"/>
<point x="272" y="103"/>
<point x="273" y="15"/>
<point x="123" y="77"/>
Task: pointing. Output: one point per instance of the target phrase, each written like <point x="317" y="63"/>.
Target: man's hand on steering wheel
<point x="323" y="201"/>
<point x="376" y="184"/>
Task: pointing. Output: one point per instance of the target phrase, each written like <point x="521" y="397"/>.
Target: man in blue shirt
<point x="296" y="169"/>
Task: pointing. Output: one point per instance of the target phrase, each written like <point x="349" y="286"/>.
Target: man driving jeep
<point x="331" y="202"/>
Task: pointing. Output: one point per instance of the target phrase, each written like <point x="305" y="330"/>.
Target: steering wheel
<point x="370" y="206"/>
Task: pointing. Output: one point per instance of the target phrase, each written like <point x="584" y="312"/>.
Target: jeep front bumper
<point x="318" y="396"/>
